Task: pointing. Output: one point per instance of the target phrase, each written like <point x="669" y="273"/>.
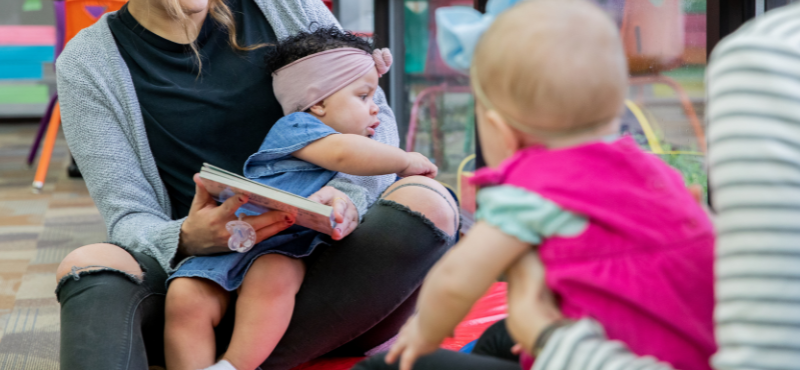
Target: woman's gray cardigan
<point x="105" y="132"/>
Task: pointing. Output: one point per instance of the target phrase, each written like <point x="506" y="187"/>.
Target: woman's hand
<point x="344" y="211"/>
<point x="204" y="232"/>
<point x="531" y="305"/>
<point x="410" y="345"/>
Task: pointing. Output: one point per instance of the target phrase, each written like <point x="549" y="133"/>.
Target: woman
<point x="151" y="92"/>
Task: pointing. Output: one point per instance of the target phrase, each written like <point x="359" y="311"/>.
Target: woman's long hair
<point x="218" y="10"/>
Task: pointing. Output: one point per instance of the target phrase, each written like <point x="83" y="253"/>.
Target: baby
<point x="325" y="82"/>
<point x="621" y="238"/>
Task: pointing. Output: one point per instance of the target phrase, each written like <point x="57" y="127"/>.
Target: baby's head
<point x="547" y="72"/>
<point x="331" y="74"/>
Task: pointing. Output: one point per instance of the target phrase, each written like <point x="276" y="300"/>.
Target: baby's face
<point x="351" y="110"/>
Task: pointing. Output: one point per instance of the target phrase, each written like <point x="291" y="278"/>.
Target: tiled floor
<point x="36" y="232"/>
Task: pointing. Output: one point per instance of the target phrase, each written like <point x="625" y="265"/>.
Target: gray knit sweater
<point x="105" y="132"/>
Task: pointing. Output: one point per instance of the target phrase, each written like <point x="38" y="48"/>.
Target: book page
<point x="311" y="220"/>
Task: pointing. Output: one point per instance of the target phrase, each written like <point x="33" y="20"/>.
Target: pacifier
<point x="243" y="235"/>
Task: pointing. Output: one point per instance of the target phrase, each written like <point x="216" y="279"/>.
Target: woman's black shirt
<point x="220" y="116"/>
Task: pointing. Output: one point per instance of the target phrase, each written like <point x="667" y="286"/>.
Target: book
<point x="222" y="184"/>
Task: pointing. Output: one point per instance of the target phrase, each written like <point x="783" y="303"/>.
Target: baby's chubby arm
<point x="531" y="305"/>
<point x="453" y="285"/>
<point x="362" y="156"/>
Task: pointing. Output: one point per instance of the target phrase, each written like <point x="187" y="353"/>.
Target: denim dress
<point x="275" y="166"/>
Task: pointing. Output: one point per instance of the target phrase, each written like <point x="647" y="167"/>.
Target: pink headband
<point x="307" y="81"/>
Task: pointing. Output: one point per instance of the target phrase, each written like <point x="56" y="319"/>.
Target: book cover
<point x="222" y="184"/>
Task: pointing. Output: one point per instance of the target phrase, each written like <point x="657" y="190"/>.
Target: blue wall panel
<point x="24" y="62"/>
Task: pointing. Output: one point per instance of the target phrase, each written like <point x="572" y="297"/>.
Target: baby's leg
<point x="263" y="309"/>
<point x="194" y="307"/>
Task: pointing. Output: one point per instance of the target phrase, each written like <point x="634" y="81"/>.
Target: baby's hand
<point x="420" y="165"/>
<point x="410" y="345"/>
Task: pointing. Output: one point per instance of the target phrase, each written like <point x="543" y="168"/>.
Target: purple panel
<point x="96" y="11"/>
<point x="58" y="8"/>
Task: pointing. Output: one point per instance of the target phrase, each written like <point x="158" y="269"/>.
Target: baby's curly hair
<point x="304" y="44"/>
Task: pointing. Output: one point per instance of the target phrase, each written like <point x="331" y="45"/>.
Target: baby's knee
<point x="101" y="256"/>
<point x="428" y="197"/>
<point x="274" y="275"/>
<point x="191" y="300"/>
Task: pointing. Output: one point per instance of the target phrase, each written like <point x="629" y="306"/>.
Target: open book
<point x="222" y="184"/>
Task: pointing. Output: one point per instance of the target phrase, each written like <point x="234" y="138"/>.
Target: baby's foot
<point x="221" y="365"/>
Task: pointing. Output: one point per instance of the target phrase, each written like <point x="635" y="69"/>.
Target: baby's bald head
<point x="553" y="65"/>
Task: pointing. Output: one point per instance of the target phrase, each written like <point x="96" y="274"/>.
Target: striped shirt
<point x="754" y="136"/>
<point x="754" y="163"/>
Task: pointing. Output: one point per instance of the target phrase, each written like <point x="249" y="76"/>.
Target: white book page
<point x="307" y="213"/>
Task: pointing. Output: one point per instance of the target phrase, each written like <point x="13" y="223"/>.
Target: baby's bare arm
<point x="531" y="306"/>
<point x="462" y="276"/>
<point x="362" y="156"/>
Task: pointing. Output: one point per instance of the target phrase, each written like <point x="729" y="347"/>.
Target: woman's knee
<point x="428" y="197"/>
<point x="101" y="256"/>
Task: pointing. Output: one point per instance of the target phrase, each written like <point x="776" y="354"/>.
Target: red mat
<point x="488" y="310"/>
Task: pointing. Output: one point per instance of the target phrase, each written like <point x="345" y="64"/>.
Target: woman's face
<point x="194" y="6"/>
<point x="352" y="110"/>
<point x="189" y="7"/>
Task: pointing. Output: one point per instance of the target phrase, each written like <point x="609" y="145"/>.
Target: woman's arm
<point x="133" y="208"/>
<point x="362" y="156"/>
<point x="115" y="160"/>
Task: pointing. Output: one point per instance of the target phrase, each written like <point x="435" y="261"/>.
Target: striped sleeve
<point x="583" y="346"/>
<point x="754" y="162"/>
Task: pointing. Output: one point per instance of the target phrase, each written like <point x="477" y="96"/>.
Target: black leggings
<point x="357" y="293"/>
<point x="491" y="352"/>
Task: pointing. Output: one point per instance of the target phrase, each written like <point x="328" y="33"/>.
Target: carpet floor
<point x="36" y="232"/>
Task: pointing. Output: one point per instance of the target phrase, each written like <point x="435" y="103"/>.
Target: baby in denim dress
<point x="325" y="81"/>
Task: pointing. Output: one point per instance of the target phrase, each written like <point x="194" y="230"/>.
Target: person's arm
<point x="754" y="172"/>
<point x="531" y="305"/>
<point x="113" y="156"/>
<point x="452" y="287"/>
<point x="133" y="209"/>
<point x="531" y="309"/>
<point x="362" y="190"/>
<point x="362" y="156"/>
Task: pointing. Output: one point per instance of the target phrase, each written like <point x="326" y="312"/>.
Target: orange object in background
<point x="78" y="14"/>
<point x="83" y="13"/>
<point x="653" y="35"/>
<point x="47" y="148"/>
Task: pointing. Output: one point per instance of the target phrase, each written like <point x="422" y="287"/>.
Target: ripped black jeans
<point x="357" y="293"/>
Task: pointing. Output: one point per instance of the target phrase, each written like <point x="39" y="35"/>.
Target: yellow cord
<point x="460" y="173"/>
<point x="655" y="146"/>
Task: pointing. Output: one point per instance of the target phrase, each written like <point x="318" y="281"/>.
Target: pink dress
<point x="643" y="267"/>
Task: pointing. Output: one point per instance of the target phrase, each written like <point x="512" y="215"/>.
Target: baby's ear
<point x="509" y="135"/>
<point x="318" y="109"/>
